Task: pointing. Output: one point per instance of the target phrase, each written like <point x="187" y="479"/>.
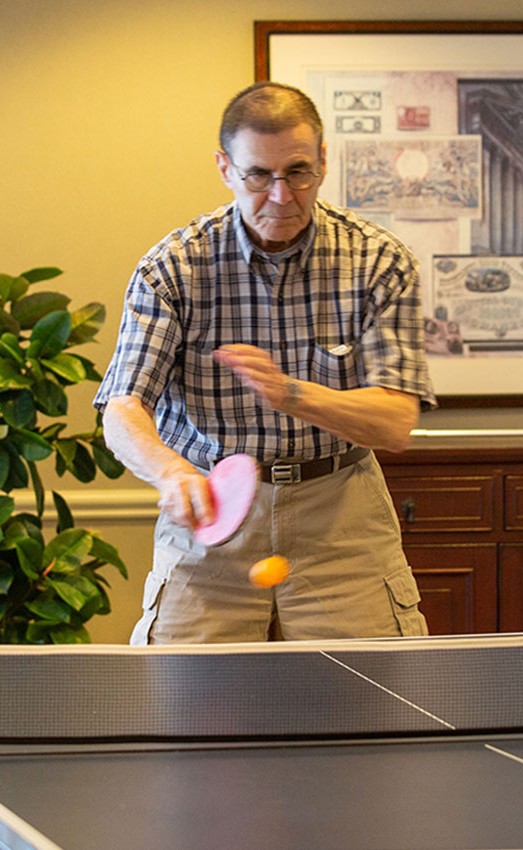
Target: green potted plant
<point x="49" y="589"/>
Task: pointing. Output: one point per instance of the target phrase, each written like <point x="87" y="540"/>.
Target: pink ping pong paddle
<point x="233" y="483"/>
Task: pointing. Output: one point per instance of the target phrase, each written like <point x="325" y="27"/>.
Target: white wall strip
<point x="97" y="504"/>
<point x="467" y="432"/>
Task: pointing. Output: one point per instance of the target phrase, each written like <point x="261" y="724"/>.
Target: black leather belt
<point x="281" y="472"/>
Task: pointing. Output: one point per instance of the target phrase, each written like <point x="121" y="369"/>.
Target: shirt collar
<point x="304" y="246"/>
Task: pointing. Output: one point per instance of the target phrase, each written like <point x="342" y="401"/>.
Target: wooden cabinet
<point x="461" y="514"/>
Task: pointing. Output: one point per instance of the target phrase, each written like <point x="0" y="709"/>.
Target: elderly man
<point x="288" y="329"/>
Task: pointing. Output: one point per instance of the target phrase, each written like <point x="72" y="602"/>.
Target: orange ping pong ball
<point x="269" y="571"/>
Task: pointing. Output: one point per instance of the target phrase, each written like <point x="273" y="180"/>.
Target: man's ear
<point x="323" y="159"/>
<point x="224" y="167"/>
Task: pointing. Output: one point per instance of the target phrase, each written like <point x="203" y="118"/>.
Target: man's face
<point x="276" y="217"/>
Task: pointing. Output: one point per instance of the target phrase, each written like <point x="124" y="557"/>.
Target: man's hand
<point x="185" y="495"/>
<point x="257" y="370"/>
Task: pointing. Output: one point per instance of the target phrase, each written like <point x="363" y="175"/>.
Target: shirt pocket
<point x="334" y="368"/>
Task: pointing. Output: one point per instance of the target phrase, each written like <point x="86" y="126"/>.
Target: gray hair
<point x="268" y="107"/>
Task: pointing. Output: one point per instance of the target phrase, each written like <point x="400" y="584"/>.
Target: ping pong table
<point x="383" y="744"/>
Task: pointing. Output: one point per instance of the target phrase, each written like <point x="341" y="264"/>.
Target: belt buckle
<point x="285" y="473"/>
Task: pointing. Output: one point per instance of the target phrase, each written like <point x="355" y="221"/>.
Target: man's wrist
<point x="294" y="394"/>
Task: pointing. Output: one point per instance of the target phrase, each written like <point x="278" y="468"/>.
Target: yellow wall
<point x="109" y="114"/>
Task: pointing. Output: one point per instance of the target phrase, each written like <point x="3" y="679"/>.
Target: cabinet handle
<point x="408" y="509"/>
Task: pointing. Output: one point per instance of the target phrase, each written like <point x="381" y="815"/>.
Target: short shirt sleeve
<point x="149" y="337"/>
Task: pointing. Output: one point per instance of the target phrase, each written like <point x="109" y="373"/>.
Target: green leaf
<point x="19" y="288"/>
<point x="65" y="634"/>
<point x="91" y="374"/>
<point x="34" y="368"/>
<point x="48" y="608"/>
<point x="21" y="526"/>
<point x="9" y="345"/>
<point x="27" y="311"/>
<point x="74" y="457"/>
<point x="52" y="332"/>
<point x="5" y="463"/>
<point x="65" y="452"/>
<point x="31" y="445"/>
<point x="6" y="576"/>
<point x="38" y="488"/>
<point x="84" y="468"/>
<point x="105" y="460"/>
<point x="26" y="540"/>
<point x="6" y="283"/>
<point x="10" y="377"/>
<point x="70" y="594"/>
<point x="65" y="517"/>
<point x="95" y="605"/>
<point x="12" y="288"/>
<point x="7" y="506"/>
<point x="38" y="632"/>
<point x="66" y="366"/>
<point x="86" y="323"/>
<point x="52" y="431"/>
<point x="28" y="550"/>
<point x="7" y="323"/>
<point x="68" y="549"/>
<point x="17" y="408"/>
<point x="87" y="587"/>
<point x="17" y="475"/>
<point x="107" y="554"/>
<point x="50" y="398"/>
<point x="44" y="273"/>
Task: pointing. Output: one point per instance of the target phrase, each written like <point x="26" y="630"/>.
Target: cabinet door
<point x="514" y="502"/>
<point x="443" y="503"/>
<point x="511" y="587"/>
<point x="458" y="586"/>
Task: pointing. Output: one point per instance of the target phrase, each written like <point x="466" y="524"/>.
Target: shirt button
<point x="283" y="345"/>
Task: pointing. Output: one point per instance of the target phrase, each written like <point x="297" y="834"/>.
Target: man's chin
<point x="276" y="236"/>
<point x="286" y="233"/>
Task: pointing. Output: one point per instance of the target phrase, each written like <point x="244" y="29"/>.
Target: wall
<point x="110" y="110"/>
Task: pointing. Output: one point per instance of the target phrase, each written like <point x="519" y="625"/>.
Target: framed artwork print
<point x="424" y="129"/>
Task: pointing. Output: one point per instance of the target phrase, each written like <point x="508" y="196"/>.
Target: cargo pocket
<point x="152" y="593"/>
<point x="404" y="598"/>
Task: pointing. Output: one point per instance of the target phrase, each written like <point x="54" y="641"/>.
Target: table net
<point x="223" y="692"/>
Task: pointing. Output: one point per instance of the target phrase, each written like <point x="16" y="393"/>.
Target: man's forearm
<point x="131" y="435"/>
<point x="371" y="417"/>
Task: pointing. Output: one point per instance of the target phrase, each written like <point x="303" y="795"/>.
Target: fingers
<point x="187" y="500"/>
<point x="256" y="370"/>
<point x="243" y="358"/>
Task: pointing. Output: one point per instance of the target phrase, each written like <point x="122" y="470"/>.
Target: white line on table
<point x="388" y="691"/>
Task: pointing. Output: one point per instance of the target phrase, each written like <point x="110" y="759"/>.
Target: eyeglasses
<point x="259" y="180"/>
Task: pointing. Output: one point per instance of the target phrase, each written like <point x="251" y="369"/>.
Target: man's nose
<point x="280" y="192"/>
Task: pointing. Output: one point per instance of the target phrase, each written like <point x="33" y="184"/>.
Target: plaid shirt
<point x="341" y="308"/>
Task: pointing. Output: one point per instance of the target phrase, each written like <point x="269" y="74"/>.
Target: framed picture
<point x="424" y="129"/>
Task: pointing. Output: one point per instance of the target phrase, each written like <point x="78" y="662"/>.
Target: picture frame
<point x="424" y="128"/>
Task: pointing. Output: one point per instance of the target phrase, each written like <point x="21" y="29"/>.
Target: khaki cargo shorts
<point x="349" y="576"/>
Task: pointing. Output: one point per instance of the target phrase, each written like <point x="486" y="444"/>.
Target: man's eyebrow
<point x="305" y="163"/>
<point x="301" y="163"/>
<point x="298" y="164"/>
